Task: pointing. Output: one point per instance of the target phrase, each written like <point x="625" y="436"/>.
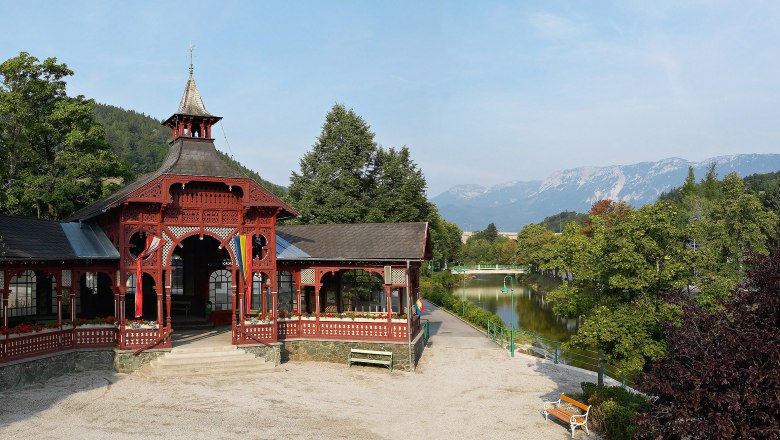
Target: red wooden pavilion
<point x="349" y="282"/>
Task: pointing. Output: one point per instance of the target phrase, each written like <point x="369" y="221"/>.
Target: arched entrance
<point x="201" y="274"/>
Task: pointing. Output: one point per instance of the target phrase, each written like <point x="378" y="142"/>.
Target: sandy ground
<point x="464" y="388"/>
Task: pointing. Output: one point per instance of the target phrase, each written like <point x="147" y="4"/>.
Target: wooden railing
<point x="14" y="347"/>
<point x="334" y="329"/>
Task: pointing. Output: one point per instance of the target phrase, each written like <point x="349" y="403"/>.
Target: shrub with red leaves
<point x="721" y="377"/>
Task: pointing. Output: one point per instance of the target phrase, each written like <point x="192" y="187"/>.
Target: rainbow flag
<point x="419" y="307"/>
<point x="243" y="244"/>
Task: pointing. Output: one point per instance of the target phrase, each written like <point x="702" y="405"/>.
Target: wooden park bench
<point x="181" y="306"/>
<point x="574" y="420"/>
<point x="361" y="357"/>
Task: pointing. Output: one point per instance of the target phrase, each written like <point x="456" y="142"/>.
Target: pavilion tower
<point x="192" y="120"/>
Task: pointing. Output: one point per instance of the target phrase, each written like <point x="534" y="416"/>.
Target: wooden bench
<point x="182" y="306"/>
<point x="574" y="420"/>
<point x="386" y="362"/>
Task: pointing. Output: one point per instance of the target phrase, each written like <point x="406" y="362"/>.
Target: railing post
<point x="604" y="367"/>
<point x="556" y="353"/>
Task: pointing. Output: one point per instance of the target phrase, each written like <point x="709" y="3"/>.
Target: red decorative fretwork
<point x="254" y="334"/>
<point x="211" y="217"/>
<point x="289" y="329"/>
<point x="143" y="338"/>
<point x="20" y="347"/>
<point x="99" y="337"/>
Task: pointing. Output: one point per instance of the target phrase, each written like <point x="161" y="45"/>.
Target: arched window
<point x="177" y="275"/>
<point x="22" y="298"/>
<point x="219" y="290"/>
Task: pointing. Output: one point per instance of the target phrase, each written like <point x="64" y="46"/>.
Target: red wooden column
<point x="317" y="287"/>
<point x="233" y="287"/>
<point x="121" y="315"/>
<point x="158" y="282"/>
<point x="75" y="286"/>
<point x="5" y="292"/>
<point x="388" y="292"/>
<point x="168" y="282"/>
<point x="58" y="286"/>
<point x="274" y="297"/>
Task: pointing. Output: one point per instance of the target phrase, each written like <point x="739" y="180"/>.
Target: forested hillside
<point x="142" y="141"/>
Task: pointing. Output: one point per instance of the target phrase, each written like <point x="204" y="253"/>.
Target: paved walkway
<point x="464" y="388"/>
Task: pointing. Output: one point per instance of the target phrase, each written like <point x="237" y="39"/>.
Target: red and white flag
<point x="152" y="244"/>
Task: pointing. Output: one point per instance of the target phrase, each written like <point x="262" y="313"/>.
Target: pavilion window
<point x="130" y="296"/>
<point x="220" y="283"/>
<point x="54" y="296"/>
<point x="398" y="300"/>
<point x="257" y="290"/>
<point x="362" y="291"/>
<point x="286" y="291"/>
<point x="177" y="275"/>
<point x="22" y="297"/>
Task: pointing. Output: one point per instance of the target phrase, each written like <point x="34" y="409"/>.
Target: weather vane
<point x="191" y="48"/>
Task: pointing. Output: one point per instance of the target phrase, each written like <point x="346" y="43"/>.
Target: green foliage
<point x="348" y="178"/>
<point x="557" y="222"/>
<point x="614" y="409"/>
<point x="490" y="233"/>
<point x="336" y="177"/>
<point x="721" y="376"/>
<point x="136" y="138"/>
<point x="445" y="239"/>
<point x="55" y="157"/>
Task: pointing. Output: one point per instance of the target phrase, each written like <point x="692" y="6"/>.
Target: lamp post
<point x="463" y="296"/>
<point x="505" y="290"/>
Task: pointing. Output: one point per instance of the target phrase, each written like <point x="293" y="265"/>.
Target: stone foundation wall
<point x="39" y="369"/>
<point x="271" y="352"/>
<point x="125" y="362"/>
<point x="338" y="351"/>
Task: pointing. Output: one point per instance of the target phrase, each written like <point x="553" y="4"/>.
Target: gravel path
<point x="464" y="388"/>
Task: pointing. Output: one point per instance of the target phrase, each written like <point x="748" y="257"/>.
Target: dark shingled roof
<point x="34" y="239"/>
<point x="186" y="156"/>
<point x="360" y="241"/>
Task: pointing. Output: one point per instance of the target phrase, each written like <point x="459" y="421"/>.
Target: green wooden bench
<point x="358" y="355"/>
<point x="573" y="420"/>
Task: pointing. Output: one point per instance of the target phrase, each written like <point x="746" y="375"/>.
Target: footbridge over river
<point x="490" y="268"/>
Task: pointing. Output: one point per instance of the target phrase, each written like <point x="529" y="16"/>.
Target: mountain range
<point x="514" y="204"/>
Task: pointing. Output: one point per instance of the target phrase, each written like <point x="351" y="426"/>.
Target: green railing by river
<point x="552" y="350"/>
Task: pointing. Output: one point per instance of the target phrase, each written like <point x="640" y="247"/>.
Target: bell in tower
<point x="192" y="120"/>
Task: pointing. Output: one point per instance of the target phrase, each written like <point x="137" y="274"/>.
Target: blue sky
<point x="481" y="92"/>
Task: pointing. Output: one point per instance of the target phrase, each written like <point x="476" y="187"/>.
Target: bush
<point x="614" y="410"/>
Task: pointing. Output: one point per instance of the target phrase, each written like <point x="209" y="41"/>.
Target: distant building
<point x="509" y="235"/>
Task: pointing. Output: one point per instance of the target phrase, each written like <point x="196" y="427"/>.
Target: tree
<point x="557" y="222"/>
<point x="348" y="178"/>
<point x="399" y="189"/>
<point x="337" y="175"/>
<point x="622" y="270"/>
<point x="490" y="233"/>
<point x="445" y="239"/>
<point x="54" y="155"/>
<point x="721" y="375"/>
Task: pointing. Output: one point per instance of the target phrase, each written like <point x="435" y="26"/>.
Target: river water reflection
<point x="532" y="312"/>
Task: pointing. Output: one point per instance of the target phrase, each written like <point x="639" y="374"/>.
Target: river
<point x="532" y="312"/>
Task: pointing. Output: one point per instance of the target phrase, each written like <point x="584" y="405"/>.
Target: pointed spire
<point x="192" y="120"/>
